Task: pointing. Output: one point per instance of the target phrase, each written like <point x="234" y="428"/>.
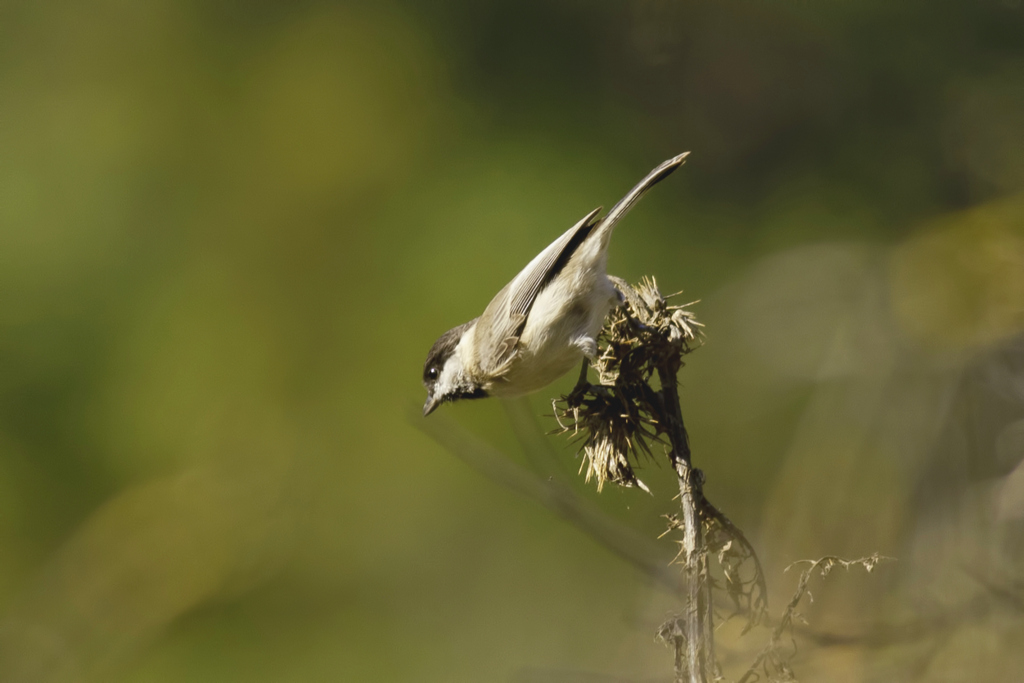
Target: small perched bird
<point x="541" y="323"/>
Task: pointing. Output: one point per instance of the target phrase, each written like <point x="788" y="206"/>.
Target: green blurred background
<point x="230" y="231"/>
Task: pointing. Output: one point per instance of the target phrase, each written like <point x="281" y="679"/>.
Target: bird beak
<point x="431" y="405"/>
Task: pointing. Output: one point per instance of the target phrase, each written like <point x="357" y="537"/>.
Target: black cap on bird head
<point x="433" y="370"/>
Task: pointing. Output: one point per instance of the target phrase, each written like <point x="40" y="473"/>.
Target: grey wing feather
<point x="503" y="320"/>
<point x="622" y="207"/>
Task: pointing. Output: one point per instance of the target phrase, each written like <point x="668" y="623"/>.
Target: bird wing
<point x="502" y="322"/>
<point x="622" y="207"/>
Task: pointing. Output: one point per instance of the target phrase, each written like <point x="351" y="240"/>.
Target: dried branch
<point x="773" y="661"/>
<point x="621" y="418"/>
<point x="749" y="596"/>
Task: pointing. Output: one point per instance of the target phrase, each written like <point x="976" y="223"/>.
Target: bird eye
<point x="432" y="372"/>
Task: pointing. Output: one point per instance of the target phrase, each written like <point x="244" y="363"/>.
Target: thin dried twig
<point x="773" y="661"/>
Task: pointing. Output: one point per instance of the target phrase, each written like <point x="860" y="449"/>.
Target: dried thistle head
<point x="618" y="418"/>
<point x="612" y="426"/>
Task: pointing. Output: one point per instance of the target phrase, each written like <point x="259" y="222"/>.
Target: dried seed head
<point x="617" y="418"/>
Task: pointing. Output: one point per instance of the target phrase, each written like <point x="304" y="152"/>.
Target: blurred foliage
<point x="230" y="231"/>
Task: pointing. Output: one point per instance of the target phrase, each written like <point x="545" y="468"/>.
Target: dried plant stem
<point x="622" y="417"/>
<point x="695" y="646"/>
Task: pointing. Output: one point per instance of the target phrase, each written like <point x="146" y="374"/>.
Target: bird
<point x="543" y="322"/>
